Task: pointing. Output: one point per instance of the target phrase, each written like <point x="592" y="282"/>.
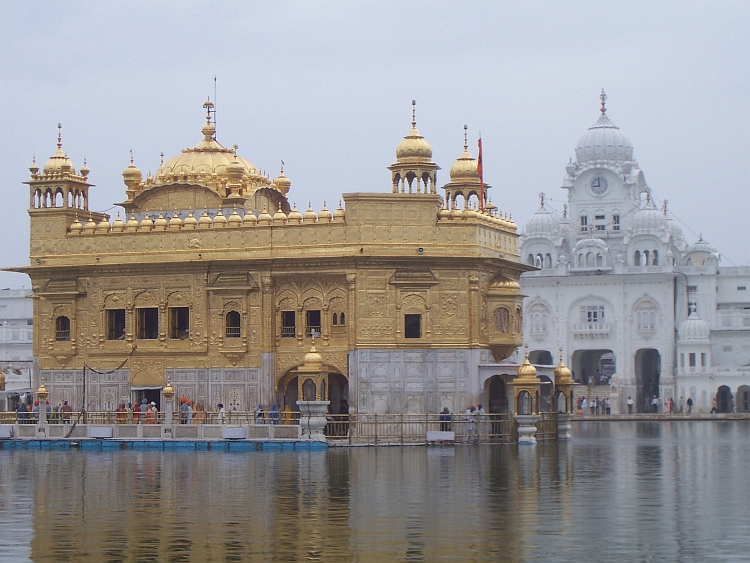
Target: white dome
<point x="693" y="329"/>
<point x="542" y="223"/>
<point x="604" y="142"/>
<point x="701" y="246"/>
<point x="591" y="242"/>
<point x="649" y="219"/>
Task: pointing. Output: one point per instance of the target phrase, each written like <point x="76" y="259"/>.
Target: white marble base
<point x="563" y="426"/>
<point x="527" y="428"/>
<point x="313" y="419"/>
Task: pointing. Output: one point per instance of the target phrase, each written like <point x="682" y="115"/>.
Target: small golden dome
<point x="249" y="220"/>
<point x="76" y="227"/>
<point x="264" y="218"/>
<point x="118" y="226"/>
<point x="470" y="213"/>
<point x="526" y="370"/>
<point x="205" y="221"/>
<point x="294" y="216"/>
<point x="33" y="168"/>
<point x="132" y="224"/>
<point x="42" y="393"/>
<point x="324" y="216"/>
<point x="161" y="223"/>
<point x="146" y="224"/>
<point x="131" y="173"/>
<point x="456" y="213"/>
<point x="313" y="358"/>
<point x="84" y="169"/>
<point x="190" y="222"/>
<point x="234" y="219"/>
<point x="220" y="221"/>
<point x="309" y="216"/>
<point x="279" y="217"/>
<point x="168" y="390"/>
<point x="444" y="213"/>
<point x="464" y="169"/>
<point x="282" y="183"/>
<point x="562" y="373"/>
<point x="103" y="226"/>
<point x="175" y="223"/>
<point x="59" y="162"/>
<point x="235" y="169"/>
<point x="339" y="216"/>
<point x="414" y="148"/>
<point x="90" y="225"/>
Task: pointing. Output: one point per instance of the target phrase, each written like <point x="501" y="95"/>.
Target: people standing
<point x="66" y="410"/>
<point x="222" y="413"/>
<point x="679" y="405"/>
<point x="274" y="414"/>
<point x="258" y="414"/>
<point x="690" y="405"/>
<point x="584" y="406"/>
<point x="655" y="404"/>
<point x="445" y="418"/>
<point x="183" y="410"/>
<point x="129" y="413"/>
<point x="629" y="402"/>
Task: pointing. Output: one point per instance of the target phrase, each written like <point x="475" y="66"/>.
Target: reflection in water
<point x="623" y="491"/>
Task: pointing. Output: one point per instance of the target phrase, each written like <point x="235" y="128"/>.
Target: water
<point x="661" y="491"/>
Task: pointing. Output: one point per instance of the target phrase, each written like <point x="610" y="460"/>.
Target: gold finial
<point x="131" y="157"/>
<point x="59" y="135"/>
<point x="234" y="148"/>
<point x="603" y="98"/>
<point x="282" y="168"/>
<point x="466" y="141"/>
<point x="209" y="106"/>
<point x="161" y="154"/>
<point x="664" y="207"/>
<point x="414" y="114"/>
<point x="541" y="198"/>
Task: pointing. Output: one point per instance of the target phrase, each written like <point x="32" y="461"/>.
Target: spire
<point x="603" y="98"/>
<point x="59" y="136"/>
<point x="414" y="114"/>
<point x="466" y="141"/>
<point x="541" y="198"/>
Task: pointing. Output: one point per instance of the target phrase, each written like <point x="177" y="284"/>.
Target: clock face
<point x="599" y="185"/>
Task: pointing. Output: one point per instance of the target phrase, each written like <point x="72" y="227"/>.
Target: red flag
<point x="481" y="175"/>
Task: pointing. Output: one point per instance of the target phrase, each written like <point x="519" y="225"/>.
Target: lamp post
<point x="41" y="394"/>
<point x="168" y="394"/>
<point x="564" y="384"/>
<point x="313" y="387"/>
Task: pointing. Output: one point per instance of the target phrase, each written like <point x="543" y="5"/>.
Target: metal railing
<point x="370" y="429"/>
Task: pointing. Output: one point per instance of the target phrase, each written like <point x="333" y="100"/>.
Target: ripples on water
<point x="667" y="491"/>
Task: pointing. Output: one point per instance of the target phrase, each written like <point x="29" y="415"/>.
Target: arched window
<point x="599" y="260"/>
<point x="655" y="258"/>
<point x="590" y="260"/>
<point x="335" y="319"/>
<point x="62" y="329"/>
<point x="342" y="319"/>
<point x="232" y="324"/>
<point x="530" y="260"/>
<point x="539" y="261"/>
<point x="645" y="257"/>
<point x="523" y="403"/>
<point x="308" y="390"/>
<point x="637" y="258"/>
<point x="580" y="260"/>
<point x="548" y="260"/>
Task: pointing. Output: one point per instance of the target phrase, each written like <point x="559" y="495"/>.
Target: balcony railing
<point x="591" y="330"/>
<point x="313" y="331"/>
<point x="733" y="320"/>
<point x="288" y="332"/>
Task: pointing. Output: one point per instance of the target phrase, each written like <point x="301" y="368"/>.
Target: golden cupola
<point x="59" y="163"/>
<point x="283" y="184"/>
<point x="207" y="175"/>
<point x="414" y="171"/>
<point x="465" y="180"/>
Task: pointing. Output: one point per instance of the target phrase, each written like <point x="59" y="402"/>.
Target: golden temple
<point x="211" y="279"/>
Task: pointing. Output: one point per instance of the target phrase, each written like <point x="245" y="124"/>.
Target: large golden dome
<point x="207" y="162"/>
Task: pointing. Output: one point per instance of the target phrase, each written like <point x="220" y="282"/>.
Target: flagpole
<point x="481" y="175"/>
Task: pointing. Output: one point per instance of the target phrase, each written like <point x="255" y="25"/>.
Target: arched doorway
<point x="647" y="373"/>
<point x="743" y="399"/>
<point x="545" y="395"/>
<point x="724" y="399"/>
<point x="288" y="388"/>
<point x="593" y="367"/>
<point x="498" y="396"/>
<point x="541" y="357"/>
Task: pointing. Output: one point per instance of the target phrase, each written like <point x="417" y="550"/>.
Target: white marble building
<point x="632" y="305"/>
<point x="16" y="356"/>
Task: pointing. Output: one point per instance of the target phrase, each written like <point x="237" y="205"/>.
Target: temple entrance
<point x="593" y="367"/>
<point x="541" y="357"/>
<point x="498" y="397"/>
<point x="151" y="394"/>
<point x="724" y="399"/>
<point x="287" y="392"/>
<point x="743" y="399"/>
<point x="647" y="372"/>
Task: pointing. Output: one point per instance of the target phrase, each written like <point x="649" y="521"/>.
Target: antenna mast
<point x="214" y="100"/>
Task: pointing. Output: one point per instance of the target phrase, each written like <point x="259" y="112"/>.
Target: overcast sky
<point x="327" y="87"/>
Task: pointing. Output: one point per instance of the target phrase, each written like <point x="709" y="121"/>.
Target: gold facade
<point x="213" y="278"/>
